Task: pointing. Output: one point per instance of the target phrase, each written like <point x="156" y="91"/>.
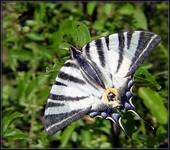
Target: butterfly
<point x="97" y="80"/>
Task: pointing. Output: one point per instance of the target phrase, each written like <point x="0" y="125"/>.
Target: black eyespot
<point x="110" y="96"/>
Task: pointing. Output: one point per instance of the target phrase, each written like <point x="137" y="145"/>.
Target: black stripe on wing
<point x="107" y="42"/>
<point x="89" y="82"/>
<point x="144" y="39"/>
<point x="121" y="49"/>
<point x="65" y="98"/>
<point x="54" y="123"/>
<point x="54" y="118"/>
<point x="129" y="37"/>
<point x="66" y="76"/>
<point x="59" y="83"/>
<point x="71" y="64"/>
<point x="50" y="104"/>
<point x="147" y="42"/>
<point x="87" y="50"/>
<point x="100" y="50"/>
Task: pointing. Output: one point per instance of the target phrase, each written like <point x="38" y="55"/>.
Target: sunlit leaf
<point x="98" y="25"/>
<point x="56" y="39"/>
<point x="66" y="135"/>
<point x="107" y="8"/>
<point x="126" y="9"/>
<point x="142" y="76"/>
<point x="66" y="26"/>
<point x="15" y="134"/>
<point x="35" y="37"/>
<point x="140" y="19"/>
<point x="9" y="118"/>
<point x="21" y="54"/>
<point x="83" y="34"/>
<point x="154" y="103"/>
<point x="90" y="8"/>
<point x="86" y="138"/>
<point x="32" y="87"/>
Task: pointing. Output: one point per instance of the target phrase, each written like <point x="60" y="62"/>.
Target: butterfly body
<point x="98" y="79"/>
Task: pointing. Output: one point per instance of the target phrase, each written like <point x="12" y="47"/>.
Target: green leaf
<point x="56" y="39"/>
<point x="32" y="46"/>
<point x="9" y="118"/>
<point x="64" y="46"/>
<point x="161" y="130"/>
<point x="107" y="9"/>
<point x="32" y="86"/>
<point x="31" y="22"/>
<point x="83" y="34"/>
<point x="77" y="31"/>
<point x="66" y="26"/>
<point x="98" y="25"/>
<point x="90" y="8"/>
<point x="42" y="11"/>
<point x="140" y="19"/>
<point x="8" y="91"/>
<point x="35" y="37"/>
<point x="21" y="54"/>
<point x="23" y="82"/>
<point x="154" y="102"/>
<point x="45" y="52"/>
<point x="86" y="137"/>
<point x="142" y="76"/>
<point x="74" y="136"/>
<point x="15" y="134"/>
<point x="105" y="145"/>
<point x="43" y="141"/>
<point x="26" y="29"/>
<point x="66" y="135"/>
<point x="40" y="16"/>
<point x="126" y="9"/>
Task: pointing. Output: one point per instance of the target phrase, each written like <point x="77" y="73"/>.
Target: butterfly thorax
<point x="110" y="97"/>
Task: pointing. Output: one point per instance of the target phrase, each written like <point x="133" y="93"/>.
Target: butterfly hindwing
<point x="69" y="98"/>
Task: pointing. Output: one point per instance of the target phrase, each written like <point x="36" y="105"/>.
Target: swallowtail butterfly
<point x="98" y="79"/>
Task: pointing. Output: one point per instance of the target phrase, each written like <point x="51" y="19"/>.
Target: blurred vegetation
<point x="36" y="38"/>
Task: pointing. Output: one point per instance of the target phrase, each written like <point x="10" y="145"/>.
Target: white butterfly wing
<point x="115" y="57"/>
<point x="118" y="55"/>
<point x="70" y="98"/>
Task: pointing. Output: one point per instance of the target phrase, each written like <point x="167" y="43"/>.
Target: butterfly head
<point x="110" y="97"/>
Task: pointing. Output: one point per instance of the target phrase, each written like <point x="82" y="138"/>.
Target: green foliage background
<point x="36" y="39"/>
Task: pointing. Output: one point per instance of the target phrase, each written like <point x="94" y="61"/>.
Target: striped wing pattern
<point x="70" y="98"/>
<point x="116" y="56"/>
